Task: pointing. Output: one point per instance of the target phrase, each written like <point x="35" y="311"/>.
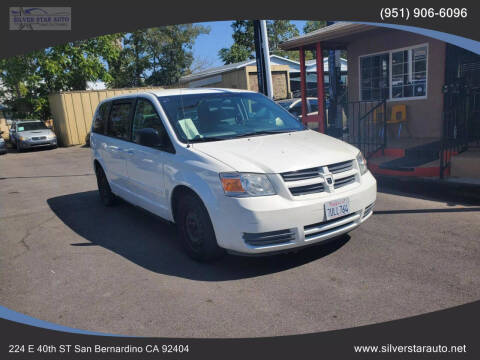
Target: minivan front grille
<point x="302" y="174"/>
<point x="269" y="238"/>
<point x="344" y="181"/>
<point x="341" y="167"/>
<point x="315" y="172"/>
<point x="307" y="189"/>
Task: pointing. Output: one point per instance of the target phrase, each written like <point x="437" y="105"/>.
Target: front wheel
<point x="196" y="230"/>
<point x="106" y="195"/>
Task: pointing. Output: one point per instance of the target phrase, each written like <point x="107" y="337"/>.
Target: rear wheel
<point x="106" y="195"/>
<point x="196" y="230"/>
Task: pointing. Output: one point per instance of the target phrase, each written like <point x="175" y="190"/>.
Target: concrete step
<point x="466" y="165"/>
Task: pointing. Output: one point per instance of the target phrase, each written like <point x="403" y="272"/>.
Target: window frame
<point x="114" y="102"/>
<point x="108" y="104"/>
<point x="390" y="52"/>
<point x="170" y="148"/>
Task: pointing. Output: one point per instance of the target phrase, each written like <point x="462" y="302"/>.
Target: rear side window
<point x="119" y="120"/>
<point x="100" y="117"/>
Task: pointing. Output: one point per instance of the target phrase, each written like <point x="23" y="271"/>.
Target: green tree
<point x="243" y="47"/>
<point x="155" y="57"/>
<point x="312" y="25"/>
<point x="27" y="80"/>
<point x="158" y="56"/>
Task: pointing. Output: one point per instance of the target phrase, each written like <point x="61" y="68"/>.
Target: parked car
<point x="233" y="170"/>
<point x="30" y="134"/>
<point x="294" y="106"/>
<point x="3" y="145"/>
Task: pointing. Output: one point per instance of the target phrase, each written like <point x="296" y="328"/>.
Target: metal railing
<point x="365" y="125"/>
<point x="461" y="123"/>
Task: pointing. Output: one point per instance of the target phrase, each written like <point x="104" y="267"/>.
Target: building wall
<point x="280" y="80"/>
<point x="73" y="111"/>
<point x="246" y="78"/>
<point x="424" y="115"/>
<point x="3" y="126"/>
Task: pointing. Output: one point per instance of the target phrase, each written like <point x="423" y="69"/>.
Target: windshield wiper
<point x="263" y="132"/>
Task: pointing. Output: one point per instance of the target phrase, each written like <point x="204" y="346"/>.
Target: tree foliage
<point x="157" y="56"/>
<point x="243" y="47"/>
<point x="312" y="25"/>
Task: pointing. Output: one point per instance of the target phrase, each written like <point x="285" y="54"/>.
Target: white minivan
<point x="235" y="171"/>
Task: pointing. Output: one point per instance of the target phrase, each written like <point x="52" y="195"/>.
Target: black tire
<point x="107" y="197"/>
<point x="196" y="230"/>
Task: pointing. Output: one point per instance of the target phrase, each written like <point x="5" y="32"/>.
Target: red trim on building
<point x="419" y="172"/>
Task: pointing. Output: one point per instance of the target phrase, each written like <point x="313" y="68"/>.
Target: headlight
<point x="362" y="163"/>
<point x="51" y="137"/>
<point x="246" y="184"/>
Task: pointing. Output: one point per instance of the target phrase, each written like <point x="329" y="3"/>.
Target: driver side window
<point x="146" y="117"/>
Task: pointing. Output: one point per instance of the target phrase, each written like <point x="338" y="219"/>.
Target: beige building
<point x="413" y="101"/>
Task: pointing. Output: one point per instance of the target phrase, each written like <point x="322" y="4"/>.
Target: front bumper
<point x="245" y="225"/>
<point x="39" y="143"/>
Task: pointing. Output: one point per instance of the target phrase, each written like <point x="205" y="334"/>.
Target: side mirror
<point x="149" y="137"/>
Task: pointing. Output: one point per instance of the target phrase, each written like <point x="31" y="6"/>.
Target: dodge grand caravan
<point x="235" y="171"/>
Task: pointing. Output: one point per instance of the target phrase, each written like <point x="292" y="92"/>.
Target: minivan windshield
<point x="221" y="116"/>
<point x="28" y="126"/>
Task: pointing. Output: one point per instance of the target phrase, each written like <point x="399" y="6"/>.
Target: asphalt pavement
<point x="66" y="259"/>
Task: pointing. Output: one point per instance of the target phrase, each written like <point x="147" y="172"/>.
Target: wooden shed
<point x="241" y="75"/>
<point x="72" y="111"/>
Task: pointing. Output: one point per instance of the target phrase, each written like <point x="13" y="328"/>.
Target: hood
<point x="31" y="133"/>
<point x="279" y="152"/>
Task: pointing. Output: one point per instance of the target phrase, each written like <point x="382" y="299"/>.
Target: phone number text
<point x="424" y="13"/>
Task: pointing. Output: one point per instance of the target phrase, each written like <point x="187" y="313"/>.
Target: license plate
<point x="337" y="208"/>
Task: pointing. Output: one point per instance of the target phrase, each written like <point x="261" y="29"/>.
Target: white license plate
<point x="337" y="208"/>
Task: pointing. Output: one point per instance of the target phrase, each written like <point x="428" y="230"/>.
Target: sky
<point x="207" y="46"/>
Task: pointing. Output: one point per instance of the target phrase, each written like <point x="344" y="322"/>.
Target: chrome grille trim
<point x="39" y="138"/>
<point x="315" y="172"/>
<point x="317" y="230"/>
<point x="307" y="189"/>
<point x="269" y="238"/>
<point x="340" y="167"/>
<point x="344" y="181"/>
<point x="302" y="174"/>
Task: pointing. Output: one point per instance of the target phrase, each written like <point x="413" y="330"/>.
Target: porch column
<point x="320" y="88"/>
<point x="303" y="84"/>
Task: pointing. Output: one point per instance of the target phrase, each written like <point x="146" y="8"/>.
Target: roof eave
<point x="325" y="34"/>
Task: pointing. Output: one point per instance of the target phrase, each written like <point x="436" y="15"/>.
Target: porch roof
<point x="335" y="36"/>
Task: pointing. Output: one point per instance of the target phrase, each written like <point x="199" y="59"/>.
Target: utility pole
<point x="262" y="55"/>
<point x="334" y="117"/>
